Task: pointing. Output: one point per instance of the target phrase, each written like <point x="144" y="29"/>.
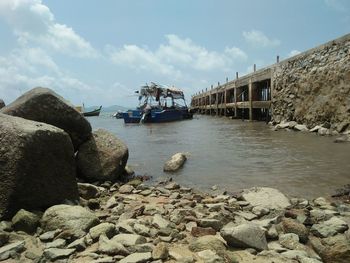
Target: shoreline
<point x="166" y="222"/>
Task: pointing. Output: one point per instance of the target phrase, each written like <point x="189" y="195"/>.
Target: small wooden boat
<point x="95" y="112"/>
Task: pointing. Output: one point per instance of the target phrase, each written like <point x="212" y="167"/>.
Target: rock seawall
<point x="313" y="88"/>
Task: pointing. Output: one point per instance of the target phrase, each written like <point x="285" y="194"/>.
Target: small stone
<point x="160" y="222"/>
<point x="141" y="229"/>
<point x="209" y="256"/>
<point x="111" y="202"/>
<point x="172" y="186"/>
<point x="190" y="225"/>
<point x="50" y="235"/>
<point x="330" y="227"/>
<point x="58" y="243"/>
<point x="213" y="223"/>
<point x="175" y="162"/>
<point x="290" y="241"/>
<point x="126" y="189"/>
<point x="78" y="245"/>
<point x="25" y="221"/>
<point x="137" y="258"/>
<point x="4" y="238"/>
<point x="202" y="231"/>
<point x="129" y="239"/>
<point x="7" y="250"/>
<point x="58" y="253"/>
<point x="301" y="127"/>
<point x="207" y="242"/>
<point x="292" y="226"/>
<point x="111" y="247"/>
<point x="88" y="191"/>
<point x="160" y="251"/>
<point x="107" y="229"/>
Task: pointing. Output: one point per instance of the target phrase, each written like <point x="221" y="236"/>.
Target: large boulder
<point x="175" y="162"/>
<point x="44" y="105"/>
<point x="2" y="104"/>
<point x="76" y="221"/>
<point x="244" y="236"/>
<point x="37" y="167"/>
<point x="102" y="158"/>
<point x="266" y="197"/>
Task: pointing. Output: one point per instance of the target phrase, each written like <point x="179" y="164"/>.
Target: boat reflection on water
<point x="158" y="103"/>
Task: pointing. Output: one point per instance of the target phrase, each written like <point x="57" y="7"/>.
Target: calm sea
<point x="233" y="154"/>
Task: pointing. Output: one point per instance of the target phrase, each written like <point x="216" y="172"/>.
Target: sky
<point x="99" y="52"/>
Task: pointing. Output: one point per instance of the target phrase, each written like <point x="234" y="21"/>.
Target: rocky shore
<point x="66" y="195"/>
<point x="166" y="222"/>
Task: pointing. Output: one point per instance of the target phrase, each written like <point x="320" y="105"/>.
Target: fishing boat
<point x="95" y="112"/>
<point x="158" y="103"/>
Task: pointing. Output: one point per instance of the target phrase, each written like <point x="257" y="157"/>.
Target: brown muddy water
<point x="234" y="155"/>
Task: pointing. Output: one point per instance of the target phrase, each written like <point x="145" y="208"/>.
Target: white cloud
<point x="293" y="53"/>
<point x="33" y="23"/>
<point x="176" y="55"/>
<point x="259" y="39"/>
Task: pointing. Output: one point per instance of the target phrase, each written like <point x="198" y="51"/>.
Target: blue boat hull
<point x="156" y="115"/>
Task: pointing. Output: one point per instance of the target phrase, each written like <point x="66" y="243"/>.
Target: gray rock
<point x="160" y="251"/>
<point x="37" y="168"/>
<point x="301" y="127"/>
<point x="8" y="250"/>
<point x="207" y="242"/>
<point x="44" y="105"/>
<point x="58" y="253"/>
<point x="126" y="189"/>
<point x="160" y="222"/>
<point x="129" y="239"/>
<point x="88" y="191"/>
<point x="266" y="197"/>
<point x="209" y="256"/>
<point x="137" y="258"/>
<point x="74" y="219"/>
<point x="102" y="158"/>
<point x="213" y="223"/>
<point x="107" y="229"/>
<point x="50" y="235"/>
<point x="111" y="246"/>
<point x="244" y="236"/>
<point x="78" y="245"/>
<point x="292" y="226"/>
<point x="175" y="162"/>
<point x="330" y="227"/>
<point x="25" y="221"/>
<point x="58" y="243"/>
<point x="290" y="241"/>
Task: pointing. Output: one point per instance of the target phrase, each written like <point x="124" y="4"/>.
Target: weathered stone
<point x="213" y="223"/>
<point x="207" y="242"/>
<point x="78" y="245"/>
<point x="129" y="239"/>
<point x="160" y="222"/>
<point x="25" y="221"/>
<point x="102" y="158"/>
<point x="50" y="235"/>
<point x="137" y="258"/>
<point x="175" y="162"/>
<point x="290" y="241"/>
<point x="37" y="167"/>
<point x="181" y="254"/>
<point x="292" y="226"/>
<point x="58" y="253"/>
<point x="44" y="105"/>
<point x="245" y="236"/>
<point x="75" y="220"/>
<point x="209" y="256"/>
<point x="126" y="189"/>
<point x="202" y="231"/>
<point x="111" y="246"/>
<point x="330" y="227"/>
<point x="88" y="191"/>
<point x="107" y="229"/>
<point x="7" y="250"/>
<point x="58" y="243"/>
<point x="301" y="127"/>
<point x="141" y="229"/>
<point x="266" y="197"/>
<point x="160" y="251"/>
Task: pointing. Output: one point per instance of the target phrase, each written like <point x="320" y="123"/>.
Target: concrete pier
<point x="312" y="88"/>
<point x="248" y="97"/>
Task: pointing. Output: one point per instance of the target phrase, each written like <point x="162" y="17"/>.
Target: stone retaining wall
<point x="313" y="88"/>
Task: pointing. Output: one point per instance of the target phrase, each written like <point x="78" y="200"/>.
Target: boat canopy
<point x="158" y="91"/>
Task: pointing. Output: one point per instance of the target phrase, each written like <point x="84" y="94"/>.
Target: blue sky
<point x="99" y="52"/>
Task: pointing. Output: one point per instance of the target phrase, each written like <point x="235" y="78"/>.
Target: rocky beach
<point x="67" y="195"/>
